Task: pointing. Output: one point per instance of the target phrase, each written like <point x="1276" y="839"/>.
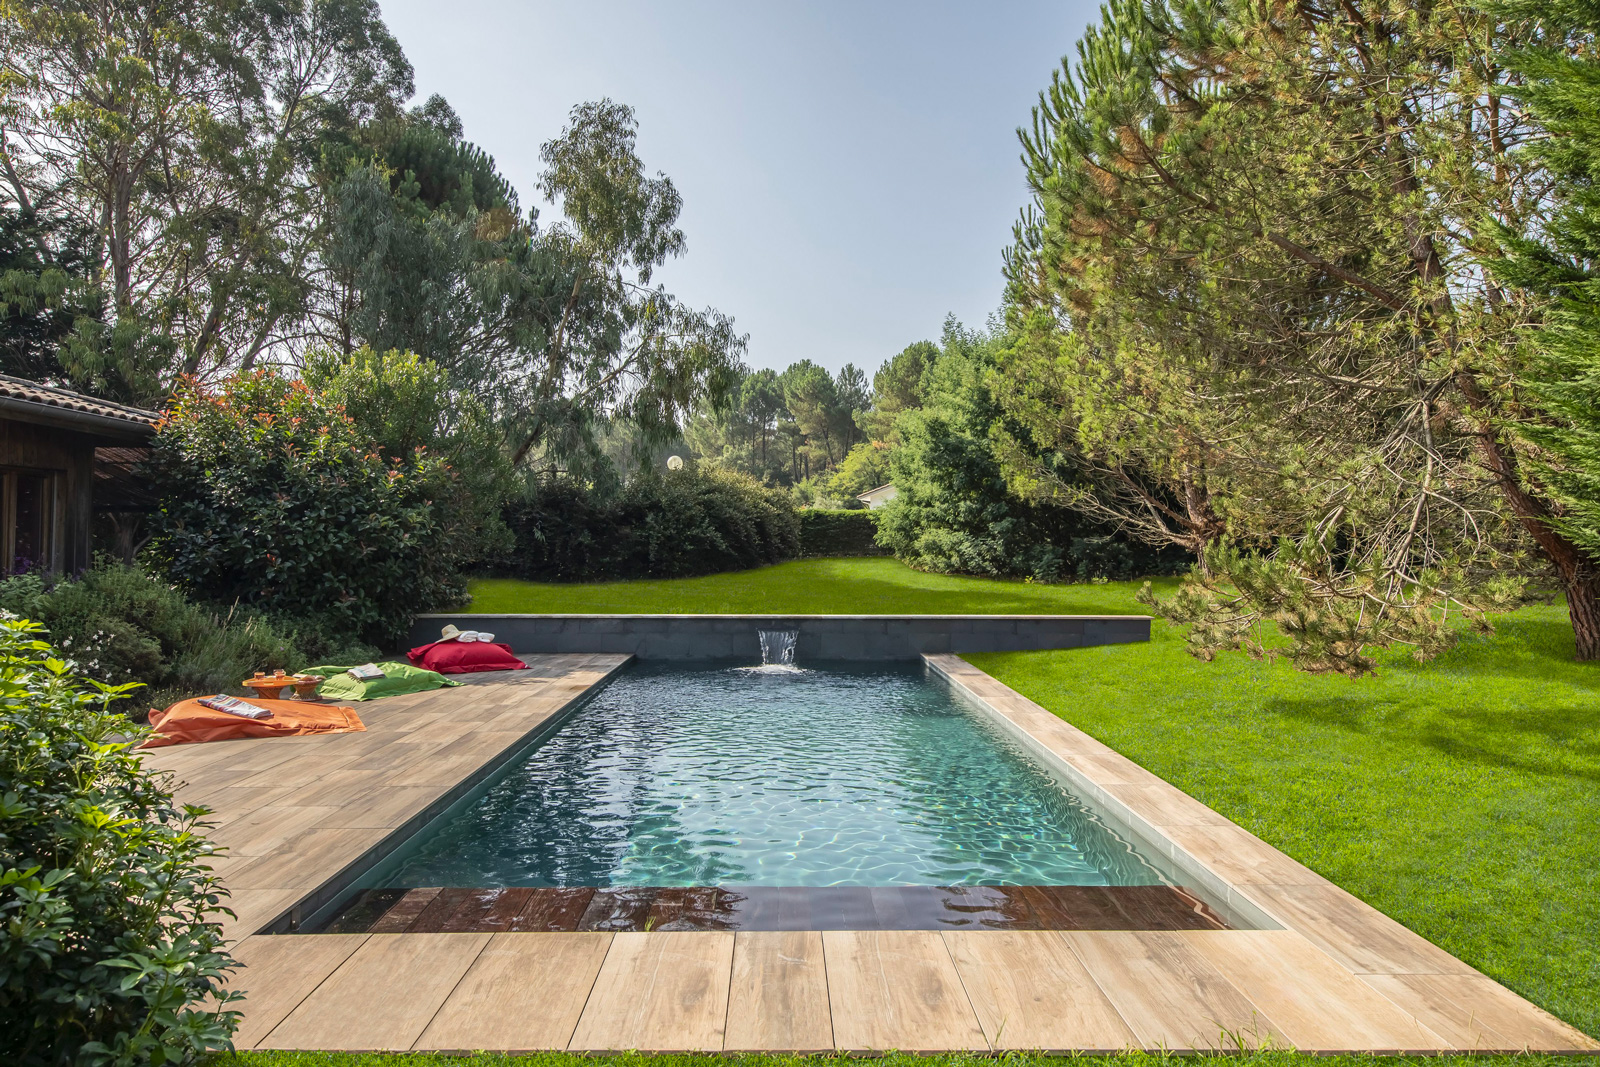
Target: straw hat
<point x="450" y="632"/>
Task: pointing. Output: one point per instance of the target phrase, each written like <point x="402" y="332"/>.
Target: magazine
<point x="366" y="672"/>
<point x="235" y="706"/>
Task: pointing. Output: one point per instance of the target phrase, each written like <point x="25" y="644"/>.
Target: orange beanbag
<point x="189" y="721"/>
<point x="465" y="657"/>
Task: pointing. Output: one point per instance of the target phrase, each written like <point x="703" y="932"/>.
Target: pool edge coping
<point x="1145" y="802"/>
<point x="1121" y="788"/>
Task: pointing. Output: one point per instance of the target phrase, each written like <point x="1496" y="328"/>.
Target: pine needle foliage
<point x="1253" y="288"/>
<point x="1563" y="264"/>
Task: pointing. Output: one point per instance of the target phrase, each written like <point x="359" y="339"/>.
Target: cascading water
<point x="777" y="647"/>
<point x="777" y="651"/>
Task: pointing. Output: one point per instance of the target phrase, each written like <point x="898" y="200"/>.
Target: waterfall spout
<point x="777" y="647"/>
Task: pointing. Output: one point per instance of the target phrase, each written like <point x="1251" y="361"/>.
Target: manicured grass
<point x="868" y="586"/>
<point x="1012" y="1059"/>
<point x="1460" y="796"/>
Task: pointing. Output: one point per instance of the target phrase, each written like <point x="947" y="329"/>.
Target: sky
<point x="849" y="171"/>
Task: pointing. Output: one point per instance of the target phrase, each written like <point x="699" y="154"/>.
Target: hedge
<point x="682" y="524"/>
<point x="828" y="532"/>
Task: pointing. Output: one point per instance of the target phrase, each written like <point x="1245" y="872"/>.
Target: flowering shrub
<point x="108" y="951"/>
<point x="272" y="497"/>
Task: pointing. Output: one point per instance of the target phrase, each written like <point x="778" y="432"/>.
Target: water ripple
<point x="677" y="776"/>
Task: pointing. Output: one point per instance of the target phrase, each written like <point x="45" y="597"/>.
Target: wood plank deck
<point x="296" y="812"/>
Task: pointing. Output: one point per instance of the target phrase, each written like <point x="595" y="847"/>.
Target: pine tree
<point x="1563" y="92"/>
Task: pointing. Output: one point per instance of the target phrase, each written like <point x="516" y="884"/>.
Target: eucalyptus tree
<point x="43" y="288"/>
<point x="558" y="329"/>
<point x="1259" y="325"/>
<point x="183" y="138"/>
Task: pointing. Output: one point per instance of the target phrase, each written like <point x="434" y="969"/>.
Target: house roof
<point x="53" y="405"/>
<point x="870" y="493"/>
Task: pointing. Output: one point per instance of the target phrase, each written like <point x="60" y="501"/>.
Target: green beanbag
<point x="397" y="678"/>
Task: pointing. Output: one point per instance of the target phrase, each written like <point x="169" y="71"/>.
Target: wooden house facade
<point x="49" y="438"/>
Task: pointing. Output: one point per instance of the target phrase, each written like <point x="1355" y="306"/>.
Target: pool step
<point x="1034" y="907"/>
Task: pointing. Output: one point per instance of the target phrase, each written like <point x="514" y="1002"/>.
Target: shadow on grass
<point x="1551" y="742"/>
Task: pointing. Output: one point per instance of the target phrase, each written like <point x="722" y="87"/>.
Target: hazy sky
<point x="849" y="171"/>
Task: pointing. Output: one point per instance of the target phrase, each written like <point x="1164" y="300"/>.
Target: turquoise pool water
<point x="677" y="775"/>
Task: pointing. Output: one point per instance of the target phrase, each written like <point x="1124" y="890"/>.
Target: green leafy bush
<point x="108" y="951"/>
<point x="681" y="524"/>
<point x="402" y="402"/>
<point x="273" y="498"/>
<point x="826" y="532"/>
<point x="121" y="624"/>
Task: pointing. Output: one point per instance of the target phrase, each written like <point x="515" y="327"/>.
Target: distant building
<point x="877" y="498"/>
<point x="55" y="446"/>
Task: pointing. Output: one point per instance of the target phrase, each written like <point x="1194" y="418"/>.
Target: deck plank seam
<point x="727" y="1000"/>
<point x="577" y="1019"/>
<point x="972" y="1006"/>
<point x="446" y="998"/>
<point x="320" y="982"/>
<point x="827" y="989"/>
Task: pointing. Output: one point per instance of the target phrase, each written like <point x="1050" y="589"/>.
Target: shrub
<point x="401" y="402"/>
<point x="825" y="532"/>
<point x="274" y="499"/>
<point x="955" y="511"/>
<point x="121" y="624"/>
<point x="106" y="939"/>
<point x="680" y="524"/>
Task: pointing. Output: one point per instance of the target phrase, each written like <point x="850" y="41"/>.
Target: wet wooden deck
<point x="641" y="909"/>
<point x="298" y="813"/>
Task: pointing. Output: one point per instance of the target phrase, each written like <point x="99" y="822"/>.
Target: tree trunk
<point x="1579" y="574"/>
<point x="1583" y="608"/>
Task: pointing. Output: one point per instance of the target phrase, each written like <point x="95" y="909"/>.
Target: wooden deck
<point x="297" y="813"/>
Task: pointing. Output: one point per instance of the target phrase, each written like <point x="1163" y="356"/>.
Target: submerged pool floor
<point x="676" y="776"/>
<point x="622" y="909"/>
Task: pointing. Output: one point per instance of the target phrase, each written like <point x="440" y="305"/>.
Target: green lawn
<point x="1460" y="796"/>
<point x="866" y="586"/>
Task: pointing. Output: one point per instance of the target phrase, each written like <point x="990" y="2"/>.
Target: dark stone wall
<point x="822" y="637"/>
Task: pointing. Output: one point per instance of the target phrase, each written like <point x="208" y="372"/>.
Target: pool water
<point x="680" y="775"/>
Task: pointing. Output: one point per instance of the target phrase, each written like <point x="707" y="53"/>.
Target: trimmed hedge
<point x="683" y="524"/>
<point x="829" y="532"/>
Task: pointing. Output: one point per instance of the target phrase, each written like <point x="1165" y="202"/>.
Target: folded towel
<point x="235" y="706"/>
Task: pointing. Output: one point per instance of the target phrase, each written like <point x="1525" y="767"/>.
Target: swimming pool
<point x="842" y="774"/>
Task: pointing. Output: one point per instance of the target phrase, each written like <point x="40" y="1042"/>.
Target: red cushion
<point x="465" y="657"/>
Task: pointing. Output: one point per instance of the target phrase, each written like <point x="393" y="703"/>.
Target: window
<point x="28" y="518"/>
